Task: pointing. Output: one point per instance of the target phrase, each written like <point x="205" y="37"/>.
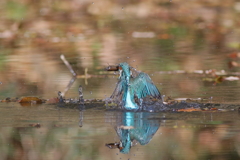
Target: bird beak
<point x="112" y="68"/>
<point x="113" y="145"/>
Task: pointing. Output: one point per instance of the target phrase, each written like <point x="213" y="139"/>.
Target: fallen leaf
<point x="219" y="79"/>
<point x="213" y="109"/>
<point x="32" y="100"/>
<point x="52" y="101"/>
<point x="6" y="100"/>
<point x="232" y="64"/>
<point x="189" y="110"/>
<point x="234" y="55"/>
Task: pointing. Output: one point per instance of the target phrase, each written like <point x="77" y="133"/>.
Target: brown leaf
<point x="52" y="101"/>
<point x="213" y="109"/>
<point x="234" y="55"/>
<point x="189" y="110"/>
<point x="219" y="79"/>
<point x="232" y="64"/>
<point x="33" y="100"/>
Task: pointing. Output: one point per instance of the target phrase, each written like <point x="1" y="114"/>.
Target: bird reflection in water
<point x="134" y="127"/>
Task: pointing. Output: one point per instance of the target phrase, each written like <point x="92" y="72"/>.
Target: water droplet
<point x="1" y="83"/>
<point x="92" y="2"/>
<point x="90" y="92"/>
<point x="127" y="57"/>
<point x="122" y="8"/>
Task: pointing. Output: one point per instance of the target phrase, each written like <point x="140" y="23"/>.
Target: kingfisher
<point x="133" y="87"/>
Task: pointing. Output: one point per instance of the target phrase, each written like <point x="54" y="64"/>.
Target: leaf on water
<point x="6" y="100"/>
<point x="213" y="109"/>
<point x="210" y="109"/>
<point x="52" y="101"/>
<point x="33" y="100"/>
<point x="189" y="110"/>
<point x="234" y="55"/>
<point x="232" y="64"/>
<point x="219" y="79"/>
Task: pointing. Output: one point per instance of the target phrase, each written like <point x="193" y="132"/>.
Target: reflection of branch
<point x="81" y="119"/>
<point x="69" y="85"/>
<point x="68" y="65"/>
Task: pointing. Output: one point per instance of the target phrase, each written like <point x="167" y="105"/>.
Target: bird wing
<point x="143" y="86"/>
<point x="144" y="134"/>
<point x="118" y="91"/>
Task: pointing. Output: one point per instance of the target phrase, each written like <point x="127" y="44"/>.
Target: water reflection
<point x="51" y="132"/>
<point x="134" y="127"/>
<point x="181" y="136"/>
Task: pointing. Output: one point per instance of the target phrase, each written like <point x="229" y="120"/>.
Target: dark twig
<point x="60" y="97"/>
<point x="80" y="91"/>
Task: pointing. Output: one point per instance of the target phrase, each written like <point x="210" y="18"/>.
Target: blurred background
<point x="154" y="36"/>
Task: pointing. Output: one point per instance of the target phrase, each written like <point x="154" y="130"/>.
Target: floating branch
<point x="68" y="65"/>
<point x="80" y="91"/>
<point x="69" y="86"/>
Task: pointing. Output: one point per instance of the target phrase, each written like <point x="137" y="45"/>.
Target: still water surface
<point x="70" y="133"/>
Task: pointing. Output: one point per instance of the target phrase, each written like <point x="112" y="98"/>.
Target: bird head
<point x="123" y="68"/>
